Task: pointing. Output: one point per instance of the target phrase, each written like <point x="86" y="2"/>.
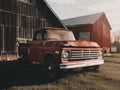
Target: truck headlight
<point x="65" y="55"/>
<point x="100" y="54"/>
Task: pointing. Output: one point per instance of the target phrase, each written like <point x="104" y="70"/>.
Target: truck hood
<point x="71" y="43"/>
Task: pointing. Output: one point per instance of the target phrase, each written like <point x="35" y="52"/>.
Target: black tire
<point x="51" y="67"/>
<point x="92" y="68"/>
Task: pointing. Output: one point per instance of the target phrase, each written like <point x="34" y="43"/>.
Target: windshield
<point x="59" y="35"/>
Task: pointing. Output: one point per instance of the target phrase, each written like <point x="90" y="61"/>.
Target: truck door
<point x="36" y="47"/>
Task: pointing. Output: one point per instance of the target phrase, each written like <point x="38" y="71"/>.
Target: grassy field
<point x="12" y="77"/>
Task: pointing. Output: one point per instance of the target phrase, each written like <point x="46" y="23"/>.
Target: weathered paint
<point x="40" y="48"/>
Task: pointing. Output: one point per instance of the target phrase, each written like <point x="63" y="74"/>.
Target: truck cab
<point x="56" y="49"/>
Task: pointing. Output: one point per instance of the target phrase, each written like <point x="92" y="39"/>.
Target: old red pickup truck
<point x="57" y="49"/>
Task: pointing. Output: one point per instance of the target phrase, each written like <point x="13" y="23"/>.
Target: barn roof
<point x="51" y="11"/>
<point x="88" y="19"/>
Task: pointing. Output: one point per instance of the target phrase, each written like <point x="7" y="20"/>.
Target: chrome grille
<point x="84" y="54"/>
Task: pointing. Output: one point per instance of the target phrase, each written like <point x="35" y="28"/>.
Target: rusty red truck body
<point x="57" y="49"/>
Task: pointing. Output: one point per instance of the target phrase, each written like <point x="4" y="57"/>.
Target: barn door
<point x="1" y="38"/>
<point x="7" y="38"/>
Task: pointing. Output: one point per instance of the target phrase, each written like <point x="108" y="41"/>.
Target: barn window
<point x="84" y="36"/>
<point x="104" y="29"/>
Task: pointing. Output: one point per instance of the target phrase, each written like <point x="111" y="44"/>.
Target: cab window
<point x="38" y="36"/>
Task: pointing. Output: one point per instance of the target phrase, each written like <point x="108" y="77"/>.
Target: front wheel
<point x="51" y="68"/>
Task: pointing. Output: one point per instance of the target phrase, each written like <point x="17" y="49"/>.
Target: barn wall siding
<point x="101" y="33"/>
<point x="18" y="18"/>
<point x="99" y="30"/>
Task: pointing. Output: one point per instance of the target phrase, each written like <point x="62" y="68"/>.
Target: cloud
<point x="63" y="1"/>
<point x="106" y="6"/>
<point x="111" y="9"/>
<point x="83" y="7"/>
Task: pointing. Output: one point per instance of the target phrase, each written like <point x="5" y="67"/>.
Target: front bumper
<point x="78" y="64"/>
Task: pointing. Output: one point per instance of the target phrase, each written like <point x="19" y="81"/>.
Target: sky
<point x="74" y="8"/>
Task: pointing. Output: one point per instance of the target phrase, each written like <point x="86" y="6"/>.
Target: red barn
<point x="94" y="27"/>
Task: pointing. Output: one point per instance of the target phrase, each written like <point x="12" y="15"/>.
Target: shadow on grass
<point x="15" y="74"/>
